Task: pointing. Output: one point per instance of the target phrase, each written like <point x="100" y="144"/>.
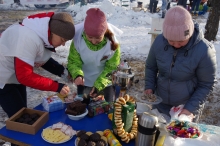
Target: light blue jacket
<point x="192" y="76"/>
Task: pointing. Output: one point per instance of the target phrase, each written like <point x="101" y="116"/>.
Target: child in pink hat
<point x="94" y="54"/>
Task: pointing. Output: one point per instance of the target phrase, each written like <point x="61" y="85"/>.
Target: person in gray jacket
<point x="181" y="65"/>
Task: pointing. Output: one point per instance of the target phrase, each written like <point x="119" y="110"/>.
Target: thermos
<point x="148" y="131"/>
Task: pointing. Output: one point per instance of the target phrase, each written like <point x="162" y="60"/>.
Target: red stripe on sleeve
<point x="26" y="76"/>
<point x="42" y="15"/>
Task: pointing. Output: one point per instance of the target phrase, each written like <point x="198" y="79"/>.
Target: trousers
<point x="182" y="3"/>
<point x="153" y="6"/>
<point x="13" y="97"/>
<point x="195" y="5"/>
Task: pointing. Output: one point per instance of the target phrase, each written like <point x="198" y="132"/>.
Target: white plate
<point x="158" y="100"/>
<point x="54" y="142"/>
<point x="190" y="124"/>
<point x="76" y="140"/>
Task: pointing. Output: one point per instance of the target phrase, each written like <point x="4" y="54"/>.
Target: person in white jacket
<point x="30" y="44"/>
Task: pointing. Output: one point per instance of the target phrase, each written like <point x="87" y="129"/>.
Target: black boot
<point x="163" y="14"/>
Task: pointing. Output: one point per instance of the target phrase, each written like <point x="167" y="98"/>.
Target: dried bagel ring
<point x="118" y="120"/>
<point x="118" y="110"/>
<point x="117" y="104"/>
<point x="121" y="100"/>
<point x="126" y="97"/>
<point x="131" y="135"/>
<point x="127" y="141"/>
<point x="125" y="136"/>
<point x="121" y="134"/>
<point x="132" y="99"/>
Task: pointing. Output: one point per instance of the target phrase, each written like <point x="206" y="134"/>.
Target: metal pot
<point x="122" y="79"/>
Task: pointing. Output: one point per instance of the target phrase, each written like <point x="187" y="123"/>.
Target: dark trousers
<point x="195" y="5"/>
<point x="182" y="3"/>
<point x="153" y="6"/>
<point x="168" y="5"/>
<point x="13" y="97"/>
<point x="108" y="92"/>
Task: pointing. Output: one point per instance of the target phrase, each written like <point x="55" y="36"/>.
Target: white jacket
<point x="26" y="42"/>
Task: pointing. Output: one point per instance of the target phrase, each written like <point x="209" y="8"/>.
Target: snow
<point x="135" y="40"/>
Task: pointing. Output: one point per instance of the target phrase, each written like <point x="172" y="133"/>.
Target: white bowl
<point x="78" y="117"/>
<point x="78" y="98"/>
<point x="142" y="107"/>
<point x="189" y="124"/>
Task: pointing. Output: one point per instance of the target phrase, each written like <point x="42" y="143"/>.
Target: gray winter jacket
<point x="191" y="77"/>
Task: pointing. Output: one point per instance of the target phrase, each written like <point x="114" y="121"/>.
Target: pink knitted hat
<point x="178" y="24"/>
<point x="95" y="23"/>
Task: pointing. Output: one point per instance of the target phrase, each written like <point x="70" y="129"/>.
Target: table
<point x="96" y="123"/>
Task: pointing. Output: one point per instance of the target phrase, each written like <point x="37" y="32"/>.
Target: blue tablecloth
<point x="96" y="123"/>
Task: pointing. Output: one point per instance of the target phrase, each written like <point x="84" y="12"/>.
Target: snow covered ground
<point x="135" y="44"/>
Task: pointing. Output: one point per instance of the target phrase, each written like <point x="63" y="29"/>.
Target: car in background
<point x="43" y="3"/>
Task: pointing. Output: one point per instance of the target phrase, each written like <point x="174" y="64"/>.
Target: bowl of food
<point x="78" y="117"/>
<point x="76" y="110"/>
<point x="149" y="98"/>
<point x="183" y="129"/>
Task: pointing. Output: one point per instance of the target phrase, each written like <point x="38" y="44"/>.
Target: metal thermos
<point x="148" y="131"/>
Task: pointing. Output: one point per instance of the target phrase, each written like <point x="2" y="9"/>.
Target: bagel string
<point x="125" y="136"/>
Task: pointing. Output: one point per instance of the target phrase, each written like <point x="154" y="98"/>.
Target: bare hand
<point x="79" y="81"/>
<point x="186" y="112"/>
<point x="92" y="94"/>
<point x="65" y="90"/>
<point x="148" y="91"/>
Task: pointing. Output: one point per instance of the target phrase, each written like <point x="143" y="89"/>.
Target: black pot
<point x="140" y="3"/>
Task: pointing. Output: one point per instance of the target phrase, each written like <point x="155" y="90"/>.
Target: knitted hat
<point x="95" y="23"/>
<point x="62" y="25"/>
<point x="178" y="24"/>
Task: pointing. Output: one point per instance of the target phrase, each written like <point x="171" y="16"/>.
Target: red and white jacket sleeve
<point x="26" y="76"/>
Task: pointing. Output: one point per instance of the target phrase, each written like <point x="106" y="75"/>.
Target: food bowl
<point x="183" y="129"/>
<point x="142" y="107"/>
<point x="78" y="117"/>
<point x="78" y="98"/>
